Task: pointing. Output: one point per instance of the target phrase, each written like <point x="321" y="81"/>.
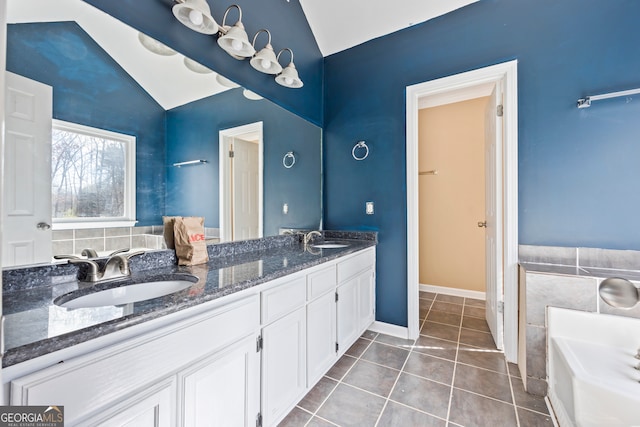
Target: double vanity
<point x="248" y="335"/>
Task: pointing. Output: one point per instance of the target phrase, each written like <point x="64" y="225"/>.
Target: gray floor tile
<point x="296" y="418"/>
<point x="386" y="355"/>
<point x="429" y="367"/>
<point x="533" y="419"/>
<point x="471" y="410"/>
<point x="314" y="398"/>
<point x="373" y="378"/>
<point x="514" y="370"/>
<point x="447" y="307"/>
<point x="438" y="330"/>
<point x="450" y="298"/>
<point x="425" y="395"/>
<point x="527" y="400"/>
<point x="427" y="295"/>
<point x="423" y="313"/>
<point x="481" y="381"/>
<point x="396" y="415"/>
<point x="477" y="339"/>
<point x="319" y="422"/>
<point x="474" y="311"/>
<point x="475" y="323"/>
<point x="442" y="317"/>
<point x="341" y="367"/>
<point x="348" y="406"/>
<point x="358" y="347"/>
<point x="472" y="302"/>
<point x="370" y="335"/>
<point x="493" y="360"/>
<point x="398" y="342"/>
<point x="425" y="304"/>
<point x="436" y="347"/>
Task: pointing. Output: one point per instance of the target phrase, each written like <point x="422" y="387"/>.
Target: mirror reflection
<point x="138" y="135"/>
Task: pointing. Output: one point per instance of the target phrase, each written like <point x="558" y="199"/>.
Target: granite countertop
<point x="35" y="326"/>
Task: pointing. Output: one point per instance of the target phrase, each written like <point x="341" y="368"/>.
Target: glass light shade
<point x="265" y="61"/>
<point x="196" y="67"/>
<point x="196" y="15"/>
<point x="236" y="43"/>
<point x="153" y="45"/>
<point x="289" y="77"/>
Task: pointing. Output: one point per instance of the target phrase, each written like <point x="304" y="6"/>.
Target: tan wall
<point x="451" y="141"/>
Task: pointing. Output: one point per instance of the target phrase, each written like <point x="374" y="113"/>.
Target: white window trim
<point x="129" y="217"/>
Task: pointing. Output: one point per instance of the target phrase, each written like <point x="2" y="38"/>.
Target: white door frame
<point x="452" y="86"/>
<point x="225" y="219"/>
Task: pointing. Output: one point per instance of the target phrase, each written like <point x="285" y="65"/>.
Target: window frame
<point x="129" y="217"/>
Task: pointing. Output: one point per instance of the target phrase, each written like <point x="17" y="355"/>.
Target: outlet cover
<point x="369" y="208"/>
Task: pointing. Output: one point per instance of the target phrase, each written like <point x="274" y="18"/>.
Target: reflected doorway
<point x="241" y="166"/>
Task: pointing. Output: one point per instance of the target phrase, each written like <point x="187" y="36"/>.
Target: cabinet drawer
<point x="353" y="266"/>
<point x="320" y="282"/>
<point x="278" y="301"/>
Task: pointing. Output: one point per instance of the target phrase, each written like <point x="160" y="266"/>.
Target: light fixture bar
<point x="586" y="101"/>
<point x="190" y="162"/>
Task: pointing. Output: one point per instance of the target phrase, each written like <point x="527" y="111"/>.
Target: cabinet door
<point x="321" y="336"/>
<point x="348" y="318"/>
<point x="366" y="299"/>
<point x="155" y="407"/>
<point x="223" y="389"/>
<point x="283" y="365"/>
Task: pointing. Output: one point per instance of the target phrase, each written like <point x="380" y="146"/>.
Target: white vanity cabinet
<point x="242" y="360"/>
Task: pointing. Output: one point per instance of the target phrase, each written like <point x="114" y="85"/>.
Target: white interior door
<point x="27" y="173"/>
<point x="245" y="190"/>
<point x="493" y="218"/>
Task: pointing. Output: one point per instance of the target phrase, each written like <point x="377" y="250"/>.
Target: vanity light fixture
<point x="234" y="40"/>
<point x="265" y="60"/>
<point x="196" y="15"/>
<point x="289" y="75"/>
<point x="196" y="67"/>
<point x="154" y="46"/>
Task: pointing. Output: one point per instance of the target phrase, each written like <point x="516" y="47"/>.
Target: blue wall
<point x="285" y="20"/>
<point x="283" y="131"/>
<point x="578" y="169"/>
<point x="91" y="89"/>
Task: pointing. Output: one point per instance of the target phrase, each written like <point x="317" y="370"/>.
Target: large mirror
<point x="202" y="148"/>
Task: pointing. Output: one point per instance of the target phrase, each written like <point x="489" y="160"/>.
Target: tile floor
<point x="452" y="375"/>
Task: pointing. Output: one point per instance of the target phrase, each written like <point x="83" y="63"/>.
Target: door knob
<point x="482" y="224"/>
<point x="43" y="226"/>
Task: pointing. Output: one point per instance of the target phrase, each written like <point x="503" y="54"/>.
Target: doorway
<point x="502" y="257"/>
<point x="241" y="182"/>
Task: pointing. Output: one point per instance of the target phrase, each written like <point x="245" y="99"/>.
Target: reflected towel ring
<point x="360" y="144"/>
<point x="291" y="156"/>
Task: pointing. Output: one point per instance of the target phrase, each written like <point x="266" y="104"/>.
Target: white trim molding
<point x="465" y="293"/>
<point x="389" y="329"/>
<point x="474" y="81"/>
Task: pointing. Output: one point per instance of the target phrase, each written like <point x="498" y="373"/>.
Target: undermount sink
<point x="126" y="294"/>
<point x="330" y="245"/>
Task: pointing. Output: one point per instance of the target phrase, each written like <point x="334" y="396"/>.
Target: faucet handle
<point x="66" y="257"/>
<point x="129" y="255"/>
<point x="93" y="272"/>
<point x="119" y="251"/>
<point x="89" y="253"/>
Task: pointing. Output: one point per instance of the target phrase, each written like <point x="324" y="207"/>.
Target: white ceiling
<point x="340" y="24"/>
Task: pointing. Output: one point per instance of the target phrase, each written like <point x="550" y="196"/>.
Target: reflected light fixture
<point x="234" y="40"/>
<point x="265" y="60"/>
<point x="226" y="82"/>
<point x="251" y="95"/>
<point x="153" y="45"/>
<point x="195" y="14"/>
<point x="289" y="75"/>
<point x="196" y="67"/>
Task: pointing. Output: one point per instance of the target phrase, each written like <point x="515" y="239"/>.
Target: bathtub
<point x="591" y="360"/>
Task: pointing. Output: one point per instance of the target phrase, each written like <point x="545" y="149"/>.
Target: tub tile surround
<point x="28" y="292"/>
<point x="566" y="278"/>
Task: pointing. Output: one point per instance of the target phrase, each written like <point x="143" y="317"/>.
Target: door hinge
<point x="337" y="347"/>
<point x="259" y="420"/>
<point x="500" y="306"/>
<point x="500" y="110"/>
<point x="337" y="298"/>
<point x="231" y="153"/>
<point x="259" y="344"/>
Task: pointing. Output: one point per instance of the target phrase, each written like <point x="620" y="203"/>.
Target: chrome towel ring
<point x="289" y="163"/>
<point x="359" y="145"/>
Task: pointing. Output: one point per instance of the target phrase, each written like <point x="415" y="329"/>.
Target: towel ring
<point x="360" y="144"/>
<point x="291" y="156"/>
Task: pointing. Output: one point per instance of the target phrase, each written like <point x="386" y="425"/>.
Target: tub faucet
<point x="309" y="236"/>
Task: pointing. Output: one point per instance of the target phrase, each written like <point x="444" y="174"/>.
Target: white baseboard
<point x="454" y="291"/>
<point x="389" y="329"/>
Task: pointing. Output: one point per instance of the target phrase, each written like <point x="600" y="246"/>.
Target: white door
<point x="493" y="218"/>
<point x="27" y="173"/>
<point x="244" y="171"/>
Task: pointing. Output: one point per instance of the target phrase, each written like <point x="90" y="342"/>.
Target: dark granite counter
<point x="35" y="325"/>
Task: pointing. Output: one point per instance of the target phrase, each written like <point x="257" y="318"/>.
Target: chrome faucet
<point x="309" y="236"/>
<point x="117" y="266"/>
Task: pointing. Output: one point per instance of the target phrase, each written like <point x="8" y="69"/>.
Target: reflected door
<point x="27" y="174"/>
<point x="244" y="168"/>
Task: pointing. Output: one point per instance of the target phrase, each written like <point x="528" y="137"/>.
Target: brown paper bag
<point x="168" y="222"/>
<point x="188" y="234"/>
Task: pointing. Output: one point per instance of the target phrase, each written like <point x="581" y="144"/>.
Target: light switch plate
<point x="369" y="208"/>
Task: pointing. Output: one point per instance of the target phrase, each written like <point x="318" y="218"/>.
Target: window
<point x="92" y="177"/>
